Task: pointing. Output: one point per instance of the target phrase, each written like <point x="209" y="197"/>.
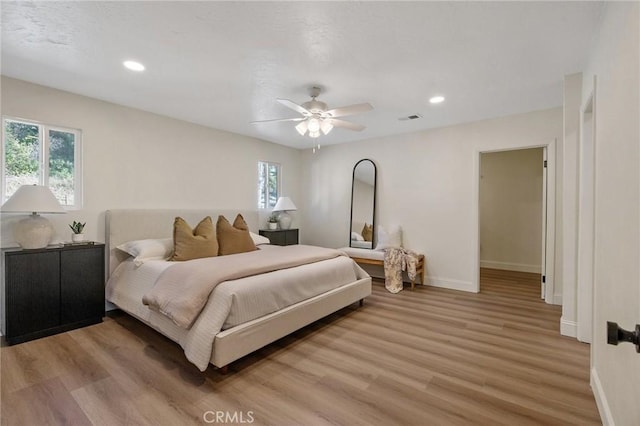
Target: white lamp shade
<point x="32" y="199"/>
<point x="326" y="126"/>
<point x="284" y="204"/>
<point x="302" y="127"/>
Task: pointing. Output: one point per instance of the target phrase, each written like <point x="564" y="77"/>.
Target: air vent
<point x="410" y="117"/>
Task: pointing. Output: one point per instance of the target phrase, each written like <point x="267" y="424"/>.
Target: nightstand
<point x="51" y="290"/>
<point x="281" y="237"/>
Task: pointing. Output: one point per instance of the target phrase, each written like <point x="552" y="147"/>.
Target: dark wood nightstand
<point x="281" y="237"/>
<point x="51" y="290"/>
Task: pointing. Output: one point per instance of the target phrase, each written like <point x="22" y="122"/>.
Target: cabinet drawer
<point x="33" y="292"/>
<point x="82" y="288"/>
<point x="281" y="237"/>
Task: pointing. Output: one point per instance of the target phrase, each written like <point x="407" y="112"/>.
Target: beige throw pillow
<point x="233" y="239"/>
<point x="194" y="244"/>
<point x="367" y="232"/>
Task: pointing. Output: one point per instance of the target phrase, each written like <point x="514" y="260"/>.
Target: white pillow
<point x="388" y="239"/>
<point x="143" y="250"/>
<point x="356" y="237"/>
<point x="259" y="239"/>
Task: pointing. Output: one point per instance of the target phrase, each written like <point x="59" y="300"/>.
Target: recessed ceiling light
<point x="436" y="99"/>
<point x="133" y="65"/>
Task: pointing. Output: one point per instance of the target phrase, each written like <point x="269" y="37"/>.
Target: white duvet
<point x="232" y="302"/>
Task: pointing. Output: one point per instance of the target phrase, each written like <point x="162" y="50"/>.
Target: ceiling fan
<point x="317" y="118"/>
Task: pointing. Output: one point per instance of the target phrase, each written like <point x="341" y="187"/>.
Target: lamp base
<point x="285" y="220"/>
<point x="33" y="232"/>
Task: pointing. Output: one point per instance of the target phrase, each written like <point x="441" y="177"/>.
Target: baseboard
<point x="601" y="399"/>
<point x="520" y="267"/>
<point x="450" y="284"/>
<point x="568" y="328"/>
<point x="378" y="272"/>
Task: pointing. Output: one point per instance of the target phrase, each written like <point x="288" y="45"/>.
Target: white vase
<point x="77" y="237"/>
<point x="273" y="225"/>
<point x="285" y="220"/>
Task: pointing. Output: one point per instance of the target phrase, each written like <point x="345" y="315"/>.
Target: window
<point x="36" y="153"/>
<point x="268" y="184"/>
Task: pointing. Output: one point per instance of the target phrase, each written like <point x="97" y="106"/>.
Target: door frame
<point x="586" y="220"/>
<point x="549" y="260"/>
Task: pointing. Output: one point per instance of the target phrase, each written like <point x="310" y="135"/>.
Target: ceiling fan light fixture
<point x="302" y="127"/>
<point x="326" y="127"/>
<point x="314" y="125"/>
<point x="317" y="119"/>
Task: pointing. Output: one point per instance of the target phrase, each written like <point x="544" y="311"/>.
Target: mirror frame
<point x="375" y="190"/>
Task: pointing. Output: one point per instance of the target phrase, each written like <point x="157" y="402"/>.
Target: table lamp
<point x="284" y="205"/>
<point x="33" y="231"/>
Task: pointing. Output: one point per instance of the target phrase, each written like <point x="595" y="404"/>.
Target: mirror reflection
<point x="363" y="201"/>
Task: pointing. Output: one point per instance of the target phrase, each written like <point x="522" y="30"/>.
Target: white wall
<point x="511" y="210"/>
<point x="135" y="159"/>
<point x="615" y="60"/>
<point x="425" y="184"/>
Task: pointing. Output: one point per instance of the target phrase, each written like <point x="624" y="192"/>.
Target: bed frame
<point x="124" y="225"/>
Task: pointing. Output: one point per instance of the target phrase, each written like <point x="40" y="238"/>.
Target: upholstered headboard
<point x="124" y="225"/>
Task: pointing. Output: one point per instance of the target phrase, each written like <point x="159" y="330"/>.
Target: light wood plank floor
<point x="427" y="357"/>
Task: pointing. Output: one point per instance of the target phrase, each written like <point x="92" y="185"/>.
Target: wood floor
<point x="423" y="357"/>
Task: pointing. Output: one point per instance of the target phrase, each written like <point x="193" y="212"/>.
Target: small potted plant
<point x="273" y="221"/>
<point x="77" y="228"/>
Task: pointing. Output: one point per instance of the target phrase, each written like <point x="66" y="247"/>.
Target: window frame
<point x="43" y="161"/>
<point x="261" y="190"/>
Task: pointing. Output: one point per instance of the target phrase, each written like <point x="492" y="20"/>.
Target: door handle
<point x="615" y="335"/>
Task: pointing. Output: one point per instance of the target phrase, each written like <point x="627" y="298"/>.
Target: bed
<point x="213" y="339"/>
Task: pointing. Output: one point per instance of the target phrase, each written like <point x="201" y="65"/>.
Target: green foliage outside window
<point x="23" y="150"/>
<point x="268" y="184"/>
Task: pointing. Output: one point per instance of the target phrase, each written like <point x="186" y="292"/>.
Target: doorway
<point x="546" y="239"/>
<point x="511" y="206"/>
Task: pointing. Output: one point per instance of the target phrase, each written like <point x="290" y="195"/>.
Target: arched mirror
<point x="363" y="205"/>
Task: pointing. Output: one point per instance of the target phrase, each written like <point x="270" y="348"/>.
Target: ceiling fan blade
<point x="294" y="106"/>
<point x="279" y="119"/>
<point x="346" y="124"/>
<point x="348" y="110"/>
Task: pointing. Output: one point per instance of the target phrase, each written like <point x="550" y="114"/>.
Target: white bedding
<point x="232" y="302"/>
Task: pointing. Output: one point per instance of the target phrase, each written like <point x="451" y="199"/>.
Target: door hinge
<point x="544" y="164"/>
<point x="544" y="279"/>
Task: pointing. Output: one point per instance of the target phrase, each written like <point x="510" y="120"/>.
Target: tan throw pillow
<point x="367" y="232"/>
<point x="233" y="239"/>
<point x="194" y="244"/>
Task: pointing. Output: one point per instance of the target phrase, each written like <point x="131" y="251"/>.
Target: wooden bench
<point x="376" y="257"/>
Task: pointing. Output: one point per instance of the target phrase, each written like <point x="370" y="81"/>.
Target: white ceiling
<point x="223" y="64"/>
